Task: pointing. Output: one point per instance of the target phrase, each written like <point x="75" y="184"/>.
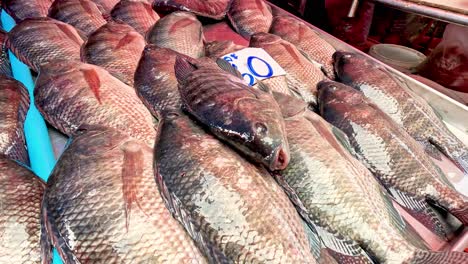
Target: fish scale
<point x="137" y="14"/>
<point x="215" y="9"/>
<point x="250" y="16"/>
<point x="23" y="9"/>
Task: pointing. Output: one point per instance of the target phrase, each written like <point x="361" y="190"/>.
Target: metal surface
<point x="444" y="11"/>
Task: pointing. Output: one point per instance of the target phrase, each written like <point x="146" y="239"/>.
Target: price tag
<point x="254" y="64"/>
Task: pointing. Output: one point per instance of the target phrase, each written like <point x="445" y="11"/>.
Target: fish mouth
<point x="281" y="158"/>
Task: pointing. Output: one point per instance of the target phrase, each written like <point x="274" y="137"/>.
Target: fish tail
<point x="431" y="257"/>
<point x="462" y="163"/>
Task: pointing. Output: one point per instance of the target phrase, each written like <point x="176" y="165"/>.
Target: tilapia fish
<point x="340" y="195"/>
<point x="116" y="47"/>
<point x="21" y="195"/>
<point x="217" y="49"/>
<point x="404" y="107"/>
<point x="42" y="40"/>
<point x="180" y="31"/>
<point x="395" y="158"/>
<point x="106" y="5"/>
<point x="250" y="16"/>
<point x="5" y="67"/>
<point x="14" y="104"/>
<point x="138" y="14"/>
<point x="301" y="74"/>
<point x="23" y="9"/>
<point x="248" y="119"/>
<point x="71" y="94"/>
<point x="215" y="9"/>
<point x="306" y="40"/>
<point x="102" y="204"/>
<point x="233" y="209"/>
<point x="155" y="80"/>
<point x="84" y="15"/>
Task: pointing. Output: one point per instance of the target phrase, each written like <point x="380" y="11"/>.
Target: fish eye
<point x="260" y="129"/>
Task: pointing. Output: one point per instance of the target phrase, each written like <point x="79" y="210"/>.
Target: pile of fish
<point x="173" y="158"/>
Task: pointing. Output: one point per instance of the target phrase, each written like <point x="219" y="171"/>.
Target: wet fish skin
<point x="179" y="31"/>
<point x="137" y="14"/>
<point x="14" y="105"/>
<point x="72" y="94"/>
<point x="407" y="109"/>
<point x="301" y="74"/>
<point x="250" y="16"/>
<point x="103" y="190"/>
<point x="84" y="15"/>
<point x="246" y="118"/>
<point x="199" y="175"/>
<point x="116" y="47"/>
<point x="5" y="67"/>
<point x="305" y="39"/>
<point x="42" y="40"/>
<point x="215" y="9"/>
<point x="20" y="10"/>
<point x="155" y="80"/>
<point x="217" y="49"/>
<point x="21" y="195"/>
<point x="340" y="195"/>
<point x="394" y="157"/>
<point x="106" y="5"/>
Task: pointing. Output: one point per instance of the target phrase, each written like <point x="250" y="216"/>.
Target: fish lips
<point x="281" y="158"/>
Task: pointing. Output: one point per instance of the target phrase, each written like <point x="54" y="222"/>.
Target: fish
<point x="223" y="31"/>
<point x="20" y="10"/>
<point x="180" y="31"/>
<point x="301" y="74"/>
<point x="198" y="175"/>
<point x="155" y="80"/>
<point x="215" y="9"/>
<point x="217" y="49"/>
<point x="84" y="15"/>
<point x="106" y="5"/>
<point x="5" y="67"/>
<point x="14" y="105"/>
<point x="387" y="150"/>
<point x="41" y="40"/>
<point x="337" y="193"/>
<point x="21" y="192"/>
<point x="407" y="109"/>
<point x="116" y="47"/>
<point x="72" y="94"/>
<point x="250" y="16"/>
<point x="137" y="14"/>
<point x="248" y="119"/>
<point x="307" y="40"/>
<point x="102" y="190"/>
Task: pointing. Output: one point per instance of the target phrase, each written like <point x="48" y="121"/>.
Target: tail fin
<point x="430" y="257"/>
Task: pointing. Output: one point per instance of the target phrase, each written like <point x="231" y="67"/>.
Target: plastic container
<point x="399" y="57"/>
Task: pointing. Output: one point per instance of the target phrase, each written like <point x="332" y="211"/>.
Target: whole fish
<point x="179" y="31"/>
<point x="301" y="74"/>
<point x="307" y="40"/>
<point x="42" y="40"/>
<point x="5" y="67"/>
<point x="405" y="108"/>
<point x="233" y="209"/>
<point x="391" y="154"/>
<point x="14" y="104"/>
<point x="116" y="47"/>
<point x="138" y="14"/>
<point x="217" y="49"/>
<point x="21" y="195"/>
<point x="102" y="204"/>
<point x="215" y="9"/>
<point x="20" y="10"/>
<point x="84" y="15"/>
<point x="341" y="196"/>
<point x="106" y="5"/>
<point x="155" y="80"/>
<point x="71" y="94"/>
<point x="248" y="119"/>
<point x="250" y="16"/>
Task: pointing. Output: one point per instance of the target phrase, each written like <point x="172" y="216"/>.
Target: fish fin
<point x="92" y="79"/>
<point x="46" y="243"/>
<point x="343" y="139"/>
<point x="263" y="87"/>
<point x="432" y="257"/>
<point x="314" y="240"/>
<point x="68" y="30"/>
<point x="461" y="214"/>
<point x="183" y="68"/>
<point x="127" y="39"/>
<point x="181" y="214"/>
<point x="227" y="67"/>
<point x="132" y="173"/>
<point x="431" y="150"/>
<point x="422" y="211"/>
<point x="461" y="161"/>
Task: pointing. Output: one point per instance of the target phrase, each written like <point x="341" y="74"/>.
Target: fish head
<point x="349" y="66"/>
<point x="337" y="97"/>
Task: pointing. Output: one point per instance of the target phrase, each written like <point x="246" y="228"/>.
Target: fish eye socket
<point x="261" y="129"/>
